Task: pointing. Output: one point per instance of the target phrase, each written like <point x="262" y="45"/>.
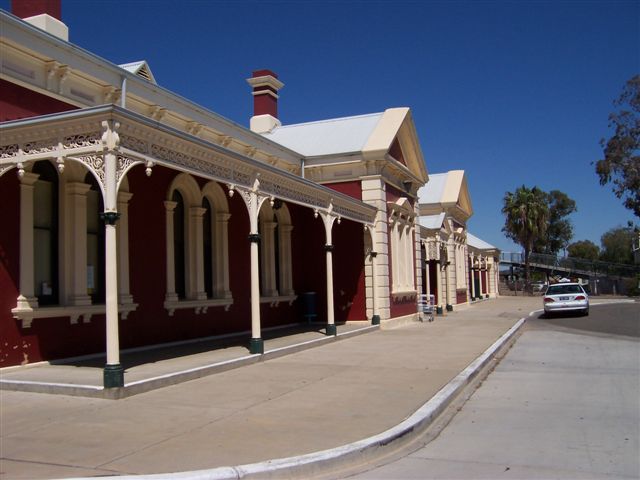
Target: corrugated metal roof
<point x="432" y="221"/>
<point x="327" y="137"/>
<point x="432" y="192"/>
<point x="475" y="242"/>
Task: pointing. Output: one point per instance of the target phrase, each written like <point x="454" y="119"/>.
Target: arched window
<point x="207" y="243"/>
<point x="179" y="245"/>
<point x="402" y="239"/>
<point x="95" y="242"/>
<point x="197" y="264"/>
<point x="45" y="233"/>
<point x="275" y="250"/>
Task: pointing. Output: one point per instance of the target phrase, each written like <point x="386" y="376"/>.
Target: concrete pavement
<point x="319" y="399"/>
<point x="564" y="403"/>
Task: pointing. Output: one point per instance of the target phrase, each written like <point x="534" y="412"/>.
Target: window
<point x="207" y="242"/>
<point x="45" y="233"/>
<point x="197" y="263"/>
<point x="402" y="232"/>
<point x="179" y="245"/>
<point x="62" y="265"/>
<point x="274" y="225"/>
<point x="95" y="242"/>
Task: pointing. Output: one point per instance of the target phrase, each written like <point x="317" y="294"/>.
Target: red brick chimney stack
<point x="31" y="8"/>
<point x="44" y="14"/>
<point x="265" y="86"/>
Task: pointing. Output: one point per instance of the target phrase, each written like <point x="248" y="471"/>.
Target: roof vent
<point x="140" y="69"/>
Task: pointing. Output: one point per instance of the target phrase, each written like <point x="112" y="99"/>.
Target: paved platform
<point x="313" y="400"/>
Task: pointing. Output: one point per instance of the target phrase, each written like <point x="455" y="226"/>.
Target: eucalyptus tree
<point x="526" y="218"/>
<point x="621" y="163"/>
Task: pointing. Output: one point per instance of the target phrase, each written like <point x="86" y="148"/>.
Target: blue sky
<point x="512" y="92"/>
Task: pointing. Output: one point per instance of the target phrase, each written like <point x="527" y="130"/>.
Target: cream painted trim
<point x="385" y="132"/>
<point x="199" y="305"/>
<point x="27" y="298"/>
<point x="74" y="312"/>
<point x="274" y="301"/>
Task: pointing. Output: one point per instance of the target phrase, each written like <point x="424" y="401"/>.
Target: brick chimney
<point x="265" y="85"/>
<point x="44" y="14"/>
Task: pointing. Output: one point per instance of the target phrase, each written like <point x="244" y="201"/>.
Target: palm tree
<point x="527" y="215"/>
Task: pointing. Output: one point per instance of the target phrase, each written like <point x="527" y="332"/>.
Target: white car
<point x="565" y="297"/>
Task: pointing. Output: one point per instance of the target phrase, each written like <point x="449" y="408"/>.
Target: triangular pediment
<point x="446" y="192"/>
<point x="395" y="137"/>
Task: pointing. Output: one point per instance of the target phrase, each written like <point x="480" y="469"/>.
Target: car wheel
<point x="585" y="312"/>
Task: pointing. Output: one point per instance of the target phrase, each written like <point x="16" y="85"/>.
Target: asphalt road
<point x="563" y="404"/>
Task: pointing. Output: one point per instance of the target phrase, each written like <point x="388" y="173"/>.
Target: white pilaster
<point x="26" y="298"/>
<point x="171" y="294"/>
<point x="77" y="242"/>
<point x="481" y="287"/>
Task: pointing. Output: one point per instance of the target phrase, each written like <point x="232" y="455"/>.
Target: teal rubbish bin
<point x="309" y="311"/>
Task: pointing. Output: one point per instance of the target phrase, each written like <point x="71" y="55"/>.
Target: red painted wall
<point x="151" y="324"/>
<point x="353" y="189"/>
<point x="47" y="338"/>
<point x="18" y="102"/>
<point x="11" y="344"/>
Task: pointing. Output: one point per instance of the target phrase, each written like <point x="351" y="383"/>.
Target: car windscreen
<point x="563" y="289"/>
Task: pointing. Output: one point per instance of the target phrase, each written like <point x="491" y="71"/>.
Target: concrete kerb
<point x="331" y="460"/>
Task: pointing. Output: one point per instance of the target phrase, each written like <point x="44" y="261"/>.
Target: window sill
<point x="275" y="301"/>
<point x="404" y="295"/>
<point x="74" y="312"/>
<point x="199" y="306"/>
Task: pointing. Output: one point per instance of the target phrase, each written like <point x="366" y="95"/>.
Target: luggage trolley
<point x="426" y="307"/>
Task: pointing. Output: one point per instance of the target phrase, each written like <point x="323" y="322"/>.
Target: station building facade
<point x="133" y="217"/>
<point x="457" y="267"/>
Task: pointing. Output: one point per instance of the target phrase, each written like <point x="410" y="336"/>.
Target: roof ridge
<point x="328" y="120"/>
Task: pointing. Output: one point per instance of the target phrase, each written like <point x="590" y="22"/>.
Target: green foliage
<point x="621" y="162"/>
<point x="559" y="230"/>
<point x="617" y="245"/>
<point x="584" y="249"/>
<point x="526" y="217"/>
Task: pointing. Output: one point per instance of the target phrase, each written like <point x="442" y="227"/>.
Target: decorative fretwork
<point x="293" y="192"/>
<point x="95" y="162"/>
<point x="8" y="151"/>
<point x="124" y="163"/>
<point x="82" y="140"/>
<point x="40" y="146"/>
<point x="134" y="143"/>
